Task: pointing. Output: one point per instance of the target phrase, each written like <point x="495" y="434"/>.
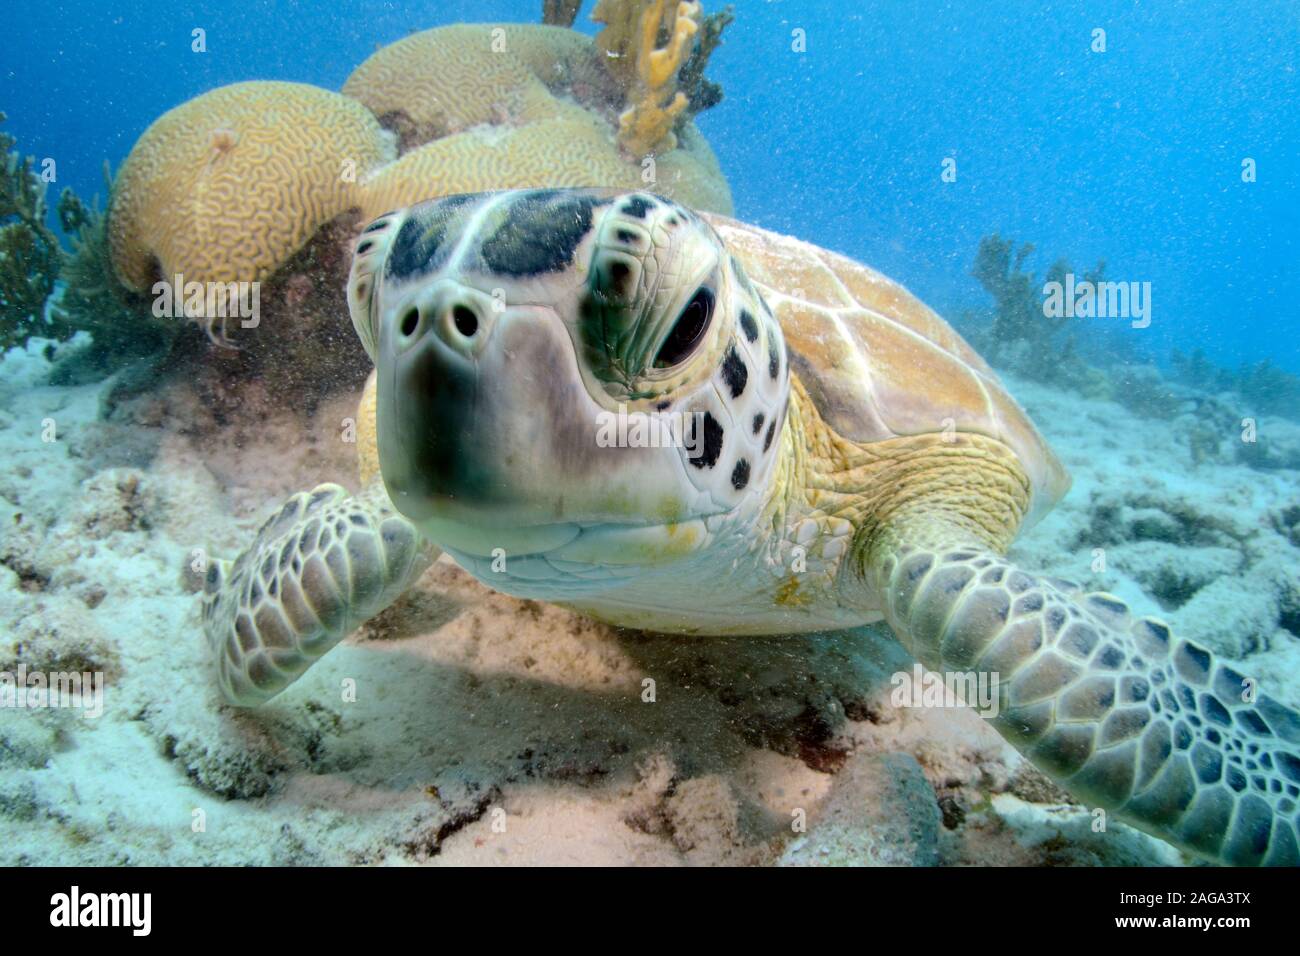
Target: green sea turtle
<point x="678" y="422"/>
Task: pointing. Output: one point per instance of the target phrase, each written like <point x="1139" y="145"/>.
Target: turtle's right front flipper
<point x="319" y="567"/>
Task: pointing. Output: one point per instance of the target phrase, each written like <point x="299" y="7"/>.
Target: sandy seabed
<point x="488" y="730"/>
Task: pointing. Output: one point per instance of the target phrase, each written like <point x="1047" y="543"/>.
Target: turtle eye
<point x="687" y="331"/>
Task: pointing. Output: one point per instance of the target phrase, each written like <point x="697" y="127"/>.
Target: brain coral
<point x="445" y="80"/>
<point x="483" y="106"/>
<point x="228" y="185"/>
<point x="575" y="149"/>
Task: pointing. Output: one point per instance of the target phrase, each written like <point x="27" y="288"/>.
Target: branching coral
<point x="30" y="255"/>
<point x="647" y="69"/>
<point x="701" y="92"/>
<point x="1021" y="335"/>
<point x="1019" y="316"/>
<point x="497" y="106"/>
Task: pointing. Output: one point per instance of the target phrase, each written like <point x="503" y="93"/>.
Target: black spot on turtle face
<point x="773" y="357"/>
<point x="540" y="234"/>
<point x="771" y="430"/>
<point x="662" y="406"/>
<point x="740" y="475"/>
<point x="748" y="325"/>
<point x="712" y="441"/>
<point x="758" y="423"/>
<point x="625" y="236"/>
<point x="421" y="246"/>
<point x="734" y="372"/>
<point x="637" y="206"/>
<point x="376" y="225"/>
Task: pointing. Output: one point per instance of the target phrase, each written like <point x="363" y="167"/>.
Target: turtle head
<point x="566" y="372"/>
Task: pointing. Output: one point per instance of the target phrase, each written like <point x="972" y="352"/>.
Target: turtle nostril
<point x="410" y="321"/>
<point x="466" y="321"/>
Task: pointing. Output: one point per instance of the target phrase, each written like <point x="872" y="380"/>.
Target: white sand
<point x="494" y="731"/>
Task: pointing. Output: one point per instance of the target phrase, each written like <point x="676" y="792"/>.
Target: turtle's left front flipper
<point x="1116" y="709"/>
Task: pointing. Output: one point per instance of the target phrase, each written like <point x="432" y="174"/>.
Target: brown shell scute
<point x="876" y="361"/>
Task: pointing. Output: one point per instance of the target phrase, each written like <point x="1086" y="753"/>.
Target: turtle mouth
<point x="482" y="541"/>
<point x="600" y="544"/>
<point x="578" y="561"/>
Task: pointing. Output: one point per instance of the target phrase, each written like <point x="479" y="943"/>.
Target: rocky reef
<point x="487" y="729"/>
<point x="1207" y="402"/>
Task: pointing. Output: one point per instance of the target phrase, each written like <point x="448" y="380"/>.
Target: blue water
<point x="1132" y="156"/>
